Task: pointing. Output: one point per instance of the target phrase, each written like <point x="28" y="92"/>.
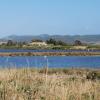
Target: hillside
<point x="94" y="39"/>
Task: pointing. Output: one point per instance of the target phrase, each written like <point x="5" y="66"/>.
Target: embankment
<point x="50" y="54"/>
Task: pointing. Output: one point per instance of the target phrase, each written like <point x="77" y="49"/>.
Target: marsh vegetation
<point x="51" y="84"/>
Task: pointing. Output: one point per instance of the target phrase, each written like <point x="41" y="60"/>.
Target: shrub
<point x="93" y="75"/>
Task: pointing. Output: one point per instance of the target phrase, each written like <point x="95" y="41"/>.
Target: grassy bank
<point x="50" y="54"/>
<point x="51" y="84"/>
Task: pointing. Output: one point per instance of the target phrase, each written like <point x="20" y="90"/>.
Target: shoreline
<point x="49" y="53"/>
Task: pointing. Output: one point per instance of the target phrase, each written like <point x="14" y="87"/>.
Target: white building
<point x="37" y="43"/>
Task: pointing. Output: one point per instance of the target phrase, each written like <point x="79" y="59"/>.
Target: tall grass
<point x="62" y="84"/>
<point x="46" y="76"/>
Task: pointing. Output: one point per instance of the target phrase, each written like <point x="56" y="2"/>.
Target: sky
<point x="63" y="17"/>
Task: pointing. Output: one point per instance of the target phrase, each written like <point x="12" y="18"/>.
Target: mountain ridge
<point x="65" y="38"/>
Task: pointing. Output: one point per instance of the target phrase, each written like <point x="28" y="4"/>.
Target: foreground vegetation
<point x="49" y="84"/>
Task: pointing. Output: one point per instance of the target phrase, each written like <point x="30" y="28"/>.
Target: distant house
<point x="37" y="43"/>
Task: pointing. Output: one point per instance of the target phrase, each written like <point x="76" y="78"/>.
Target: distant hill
<point x="94" y="39"/>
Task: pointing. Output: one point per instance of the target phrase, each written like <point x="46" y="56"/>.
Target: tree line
<point x="49" y="41"/>
<point x="59" y="42"/>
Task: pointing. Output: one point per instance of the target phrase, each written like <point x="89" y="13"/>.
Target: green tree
<point x="36" y="40"/>
<point x="54" y="42"/>
<point x="78" y="42"/>
<point x="10" y="43"/>
<point x="51" y="41"/>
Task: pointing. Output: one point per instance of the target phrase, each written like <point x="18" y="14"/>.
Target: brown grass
<point x="50" y="54"/>
<point x="31" y="84"/>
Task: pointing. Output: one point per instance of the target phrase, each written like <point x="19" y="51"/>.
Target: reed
<point x="16" y="85"/>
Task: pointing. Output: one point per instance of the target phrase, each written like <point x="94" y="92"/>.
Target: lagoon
<point x="51" y="61"/>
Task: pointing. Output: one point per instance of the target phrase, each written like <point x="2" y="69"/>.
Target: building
<point x="37" y="43"/>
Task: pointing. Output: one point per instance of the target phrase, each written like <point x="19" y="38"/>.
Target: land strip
<point x="50" y="54"/>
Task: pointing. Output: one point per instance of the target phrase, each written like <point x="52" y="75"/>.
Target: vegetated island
<point x="50" y="44"/>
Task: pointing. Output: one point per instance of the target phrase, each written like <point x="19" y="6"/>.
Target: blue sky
<point x="33" y="17"/>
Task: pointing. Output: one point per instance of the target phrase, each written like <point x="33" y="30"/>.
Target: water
<point x="53" y="61"/>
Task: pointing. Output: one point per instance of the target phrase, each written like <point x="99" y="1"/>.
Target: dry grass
<point x="90" y="53"/>
<point x="31" y="84"/>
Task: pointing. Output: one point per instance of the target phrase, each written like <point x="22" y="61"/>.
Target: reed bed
<point x="56" y="84"/>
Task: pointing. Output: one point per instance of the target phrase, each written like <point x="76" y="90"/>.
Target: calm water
<point x="53" y="61"/>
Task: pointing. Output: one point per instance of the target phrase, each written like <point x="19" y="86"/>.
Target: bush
<point x="93" y="75"/>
